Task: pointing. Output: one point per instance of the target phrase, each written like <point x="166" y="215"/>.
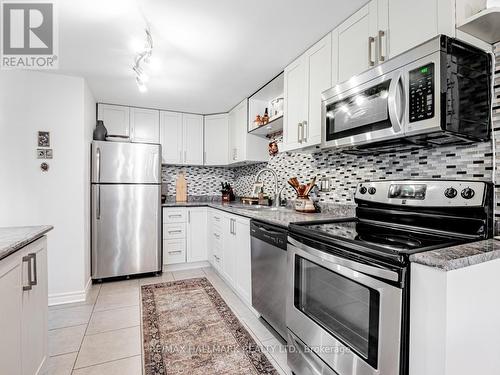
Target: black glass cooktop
<point x="391" y="239"/>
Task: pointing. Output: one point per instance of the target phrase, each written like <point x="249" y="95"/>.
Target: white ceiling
<point x="208" y="54"/>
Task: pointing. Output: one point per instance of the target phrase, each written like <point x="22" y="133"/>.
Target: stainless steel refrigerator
<point x="126" y="209"/>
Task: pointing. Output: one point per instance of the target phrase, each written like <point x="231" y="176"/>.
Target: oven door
<point x="343" y="312"/>
<point x="366" y="112"/>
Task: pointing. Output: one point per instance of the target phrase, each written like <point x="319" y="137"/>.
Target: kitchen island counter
<point x="13" y="239"/>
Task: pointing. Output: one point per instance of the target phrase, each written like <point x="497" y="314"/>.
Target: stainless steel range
<point x="348" y="288"/>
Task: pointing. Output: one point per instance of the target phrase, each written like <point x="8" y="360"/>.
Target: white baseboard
<point x="184" y="266"/>
<point x="70" y="297"/>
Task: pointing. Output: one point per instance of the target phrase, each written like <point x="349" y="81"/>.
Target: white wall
<point x="63" y="105"/>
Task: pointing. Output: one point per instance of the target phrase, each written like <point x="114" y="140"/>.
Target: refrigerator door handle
<point x="98" y="164"/>
<point x="98" y="200"/>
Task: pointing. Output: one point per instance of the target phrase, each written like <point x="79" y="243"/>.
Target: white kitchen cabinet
<point x="192" y="139"/>
<point x="215" y="241"/>
<point x="35" y="313"/>
<point x="116" y="119"/>
<point x="305" y="80"/>
<point x="216" y="139"/>
<point x="243" y="260"/>
<point x="23" y="316"/>
<point x="10" y="313"/>
<point x="144" y="125"/>
<point x="171" y="137"/>
<point x="357" y="42"/>
<point x="197" y="234"/>
<point x="181" y="138"/>
<point x="411" y="23"/>
<point x="244" y="147"/>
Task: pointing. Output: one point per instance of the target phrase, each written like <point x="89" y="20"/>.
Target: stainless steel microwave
<point x="437" y="93"/>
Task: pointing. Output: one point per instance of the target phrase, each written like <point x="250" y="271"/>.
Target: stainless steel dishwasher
<point x="269" y="273"/>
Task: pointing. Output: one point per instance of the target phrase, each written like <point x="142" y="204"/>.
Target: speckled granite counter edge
<point x="31" y="235"/>
<point x="460" y="256"/>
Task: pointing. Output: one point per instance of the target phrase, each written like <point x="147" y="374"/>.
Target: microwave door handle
<point x="393" y="103"/>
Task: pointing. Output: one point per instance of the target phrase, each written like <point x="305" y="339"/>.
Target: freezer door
<point x="126" y="230"/>
<point x="126" y="163"/>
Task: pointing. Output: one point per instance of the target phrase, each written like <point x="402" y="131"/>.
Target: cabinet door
<point x="411" y="23"/>
<point x="357" y="42"/>
<point x="228" y="249"/>
<point x="144" y="125"/>
<point x="197" y="235"/>
<point x="243" y="261"/>
<point x="319" y="73"/>
<point x="216" y="140"/>
<point x="192" y="139"/>
<point x="116" y="119"/>
<point x="10" y="315"/>
<point x="238" y="128"/>
<point x="35" y="312"/>
<point x="171" y="137"/>
<point x="295" y="107"/>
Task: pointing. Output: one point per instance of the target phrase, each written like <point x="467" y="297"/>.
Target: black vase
<point x="100" y="131"/>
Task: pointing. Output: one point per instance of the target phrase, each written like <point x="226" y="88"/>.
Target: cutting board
<point x="181" y="188"/>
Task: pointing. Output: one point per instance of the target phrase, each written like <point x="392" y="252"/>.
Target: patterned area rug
<point x="188" y="329"/>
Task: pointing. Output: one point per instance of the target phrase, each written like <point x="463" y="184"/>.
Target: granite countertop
<point x="282" y="216"/>
<point x="460" y="256"/>
<point x="15" y="238"/>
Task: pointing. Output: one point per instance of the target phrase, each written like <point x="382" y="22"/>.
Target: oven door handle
<point x="346" y="263"/>
<point x="393" y="103"/>
<point x="308" y="358"/>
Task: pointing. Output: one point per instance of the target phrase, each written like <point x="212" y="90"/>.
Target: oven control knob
<point x="450" y="193"/>
<point x="362" y="190"/>
<point x="468" y="193"/>
<point x="372" y="190"/>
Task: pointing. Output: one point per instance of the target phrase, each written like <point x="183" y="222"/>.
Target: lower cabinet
<point x="199" y="234"/>
<point x="184" y="235"/>
<point x="24" y="311"/>
<point x="229" y="244"/>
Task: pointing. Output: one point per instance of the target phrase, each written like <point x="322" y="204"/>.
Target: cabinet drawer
<point x="216" y="239"/>
<point x="174" y="251"/>
<point x="174" y="231"/>
<point x="174" y="215"/>
<point x="216" y="219"/>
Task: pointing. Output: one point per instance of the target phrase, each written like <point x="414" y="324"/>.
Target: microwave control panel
<point x="421" y="93"/>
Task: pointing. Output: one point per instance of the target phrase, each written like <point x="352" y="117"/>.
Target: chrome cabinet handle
<point x="381" y="34"/>
<point x="371" y="40"/>
<point x="299" y="132"/>
<point x="305" y="131"/>
<point x="216" y="218"/>
<point x="234" y="226"/>
<point x="180" y="156"/>
<point x="216" y="235"/>
<point x="27" y="258"/>
<point x="175" y="252"/>
<point x="189" y="216"/>
<point x="185" y="156"/>
<point x="175" y="231"/>
<point x="177" y="215"/>
<point x="35" y="273"/>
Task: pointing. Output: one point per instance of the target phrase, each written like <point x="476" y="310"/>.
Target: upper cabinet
<point x="192" y="139"/>
<point x="116" y="119"/>
<point x="138" y="124"/>
<point x="216" y="139"/>
<point x="305" y="79"/>
<point x="410" y="23"/>
<point x="357" y="50"/>
<point x="144" y="125"/>
<point x="171" y="137"/>
<point x="244" y="147"/>
<point x="181" y="138"/>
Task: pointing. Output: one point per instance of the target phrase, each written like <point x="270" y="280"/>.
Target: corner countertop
<point x="281" y="217"/>
<point x="14" y="238"/>
<point x="460" y="256"/>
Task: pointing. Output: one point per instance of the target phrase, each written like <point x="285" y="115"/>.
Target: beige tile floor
<point x="103" y="334"/>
